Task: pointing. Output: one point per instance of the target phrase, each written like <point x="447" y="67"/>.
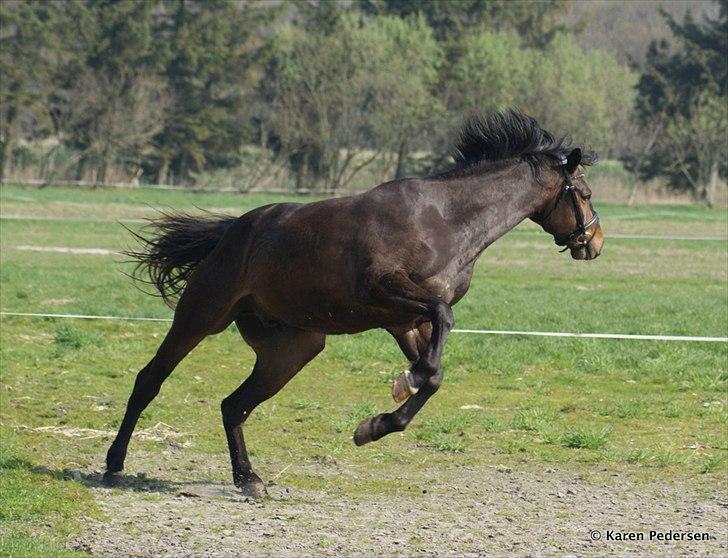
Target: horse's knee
<point x="145" y="377"/>
<point x="426" y="369"/>
<point x="443" y="314"/>
<point x="434" y="382"/>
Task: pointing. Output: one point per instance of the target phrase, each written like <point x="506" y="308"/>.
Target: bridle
<point x="581" y="226"/>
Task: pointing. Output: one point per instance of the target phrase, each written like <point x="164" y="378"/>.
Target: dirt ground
<point x="461" y="511"/>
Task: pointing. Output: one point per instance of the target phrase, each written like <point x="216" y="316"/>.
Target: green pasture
<point x="649" y="408"/>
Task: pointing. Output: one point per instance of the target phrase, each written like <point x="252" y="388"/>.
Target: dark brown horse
<point x="396" y="257"/>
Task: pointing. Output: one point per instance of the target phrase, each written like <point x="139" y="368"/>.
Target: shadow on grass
<point x="135" y="483"/>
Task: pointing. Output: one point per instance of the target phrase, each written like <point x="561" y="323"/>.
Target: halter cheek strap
<point x="581" y="226"/>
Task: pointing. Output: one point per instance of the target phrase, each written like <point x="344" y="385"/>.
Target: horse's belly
<point x="324" y="313"/>
<point x="330" y="303"/>
<point x="314" y="286"/>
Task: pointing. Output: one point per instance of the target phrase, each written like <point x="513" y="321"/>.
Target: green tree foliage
<point x="107" y="94"/>
<point x="158" y="86"/>
<point x="494" y="71"/>
<point x="29" y="50"/>
<point x="682" y="100"/>
<point x="341" y="98"/>
<point x="405" y="59"/>
<point x="208" y="50"/>
<point x="535" y="22"/>
<point x="585" y="94"/>
<point x="556" y="84"/>
<point x="186" y="91"/>
<point x="697" y="143"/>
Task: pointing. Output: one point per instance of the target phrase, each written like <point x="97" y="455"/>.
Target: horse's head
<point x="568" y="213"/>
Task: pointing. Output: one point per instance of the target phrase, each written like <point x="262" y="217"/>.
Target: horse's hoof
<point x="252" y="488"/>
<point x="114" y="460"/>
<point x="363" y="432"/>
<point x="402" y="388"/>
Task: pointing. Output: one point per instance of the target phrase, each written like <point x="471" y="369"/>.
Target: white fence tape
<point x="597" y="335"/>
<point x="629" y="236"/>
<point x="476" y="331"/>
<point x="85" y="317"/>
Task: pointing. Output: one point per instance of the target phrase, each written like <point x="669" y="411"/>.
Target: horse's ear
<point x="573" y="159"/>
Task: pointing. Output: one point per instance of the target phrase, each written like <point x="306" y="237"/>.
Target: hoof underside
<point x="402" y="388"/>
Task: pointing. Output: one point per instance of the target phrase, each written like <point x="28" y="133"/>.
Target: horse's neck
<point x="486" y="206"/>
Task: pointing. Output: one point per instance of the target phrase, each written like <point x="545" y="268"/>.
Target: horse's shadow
<point x="133" y="483"/>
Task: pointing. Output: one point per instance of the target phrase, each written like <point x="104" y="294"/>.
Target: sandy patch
<point x="463" y="511"/>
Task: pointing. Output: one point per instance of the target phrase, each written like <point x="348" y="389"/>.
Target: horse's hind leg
<point x="281" y="352"/>
<point x="190" y="326"/>
<point x="413" y="343"/>
<point x="148" y="382"/>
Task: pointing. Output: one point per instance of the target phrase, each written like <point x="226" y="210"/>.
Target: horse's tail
<point x="172" y="246"/>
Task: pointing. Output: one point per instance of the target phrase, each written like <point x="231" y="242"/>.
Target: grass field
<point x="651" y="410"/>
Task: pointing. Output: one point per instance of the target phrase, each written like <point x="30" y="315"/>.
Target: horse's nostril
<point x="584" y="238"/>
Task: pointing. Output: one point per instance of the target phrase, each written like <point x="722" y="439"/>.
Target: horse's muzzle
<point x="591" y="249"/>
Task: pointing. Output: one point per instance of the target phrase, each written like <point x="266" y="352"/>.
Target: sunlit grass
<point x="530" y="401"/>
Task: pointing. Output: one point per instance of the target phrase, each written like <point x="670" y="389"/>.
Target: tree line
<point x="183" y="91"/>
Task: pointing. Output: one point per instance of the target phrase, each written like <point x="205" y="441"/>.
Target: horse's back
<point x="308" y="264"/>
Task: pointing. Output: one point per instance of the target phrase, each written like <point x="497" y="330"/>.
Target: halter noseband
<point x="581" y="226"/>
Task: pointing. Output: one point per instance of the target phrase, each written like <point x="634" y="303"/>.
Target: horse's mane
<point x="500" y="136"/>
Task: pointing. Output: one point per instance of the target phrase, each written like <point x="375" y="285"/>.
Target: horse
<point x="397" y="257"/>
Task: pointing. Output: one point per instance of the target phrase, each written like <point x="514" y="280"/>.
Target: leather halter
<point x="581" y="226"/>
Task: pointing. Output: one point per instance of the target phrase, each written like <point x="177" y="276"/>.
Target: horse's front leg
<point x="428" y="364"/>
<point x="378" y="426"/>
<point x="400" y="293"/>
<point x="413" y="343"/>
<point x="423" y="346"/>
